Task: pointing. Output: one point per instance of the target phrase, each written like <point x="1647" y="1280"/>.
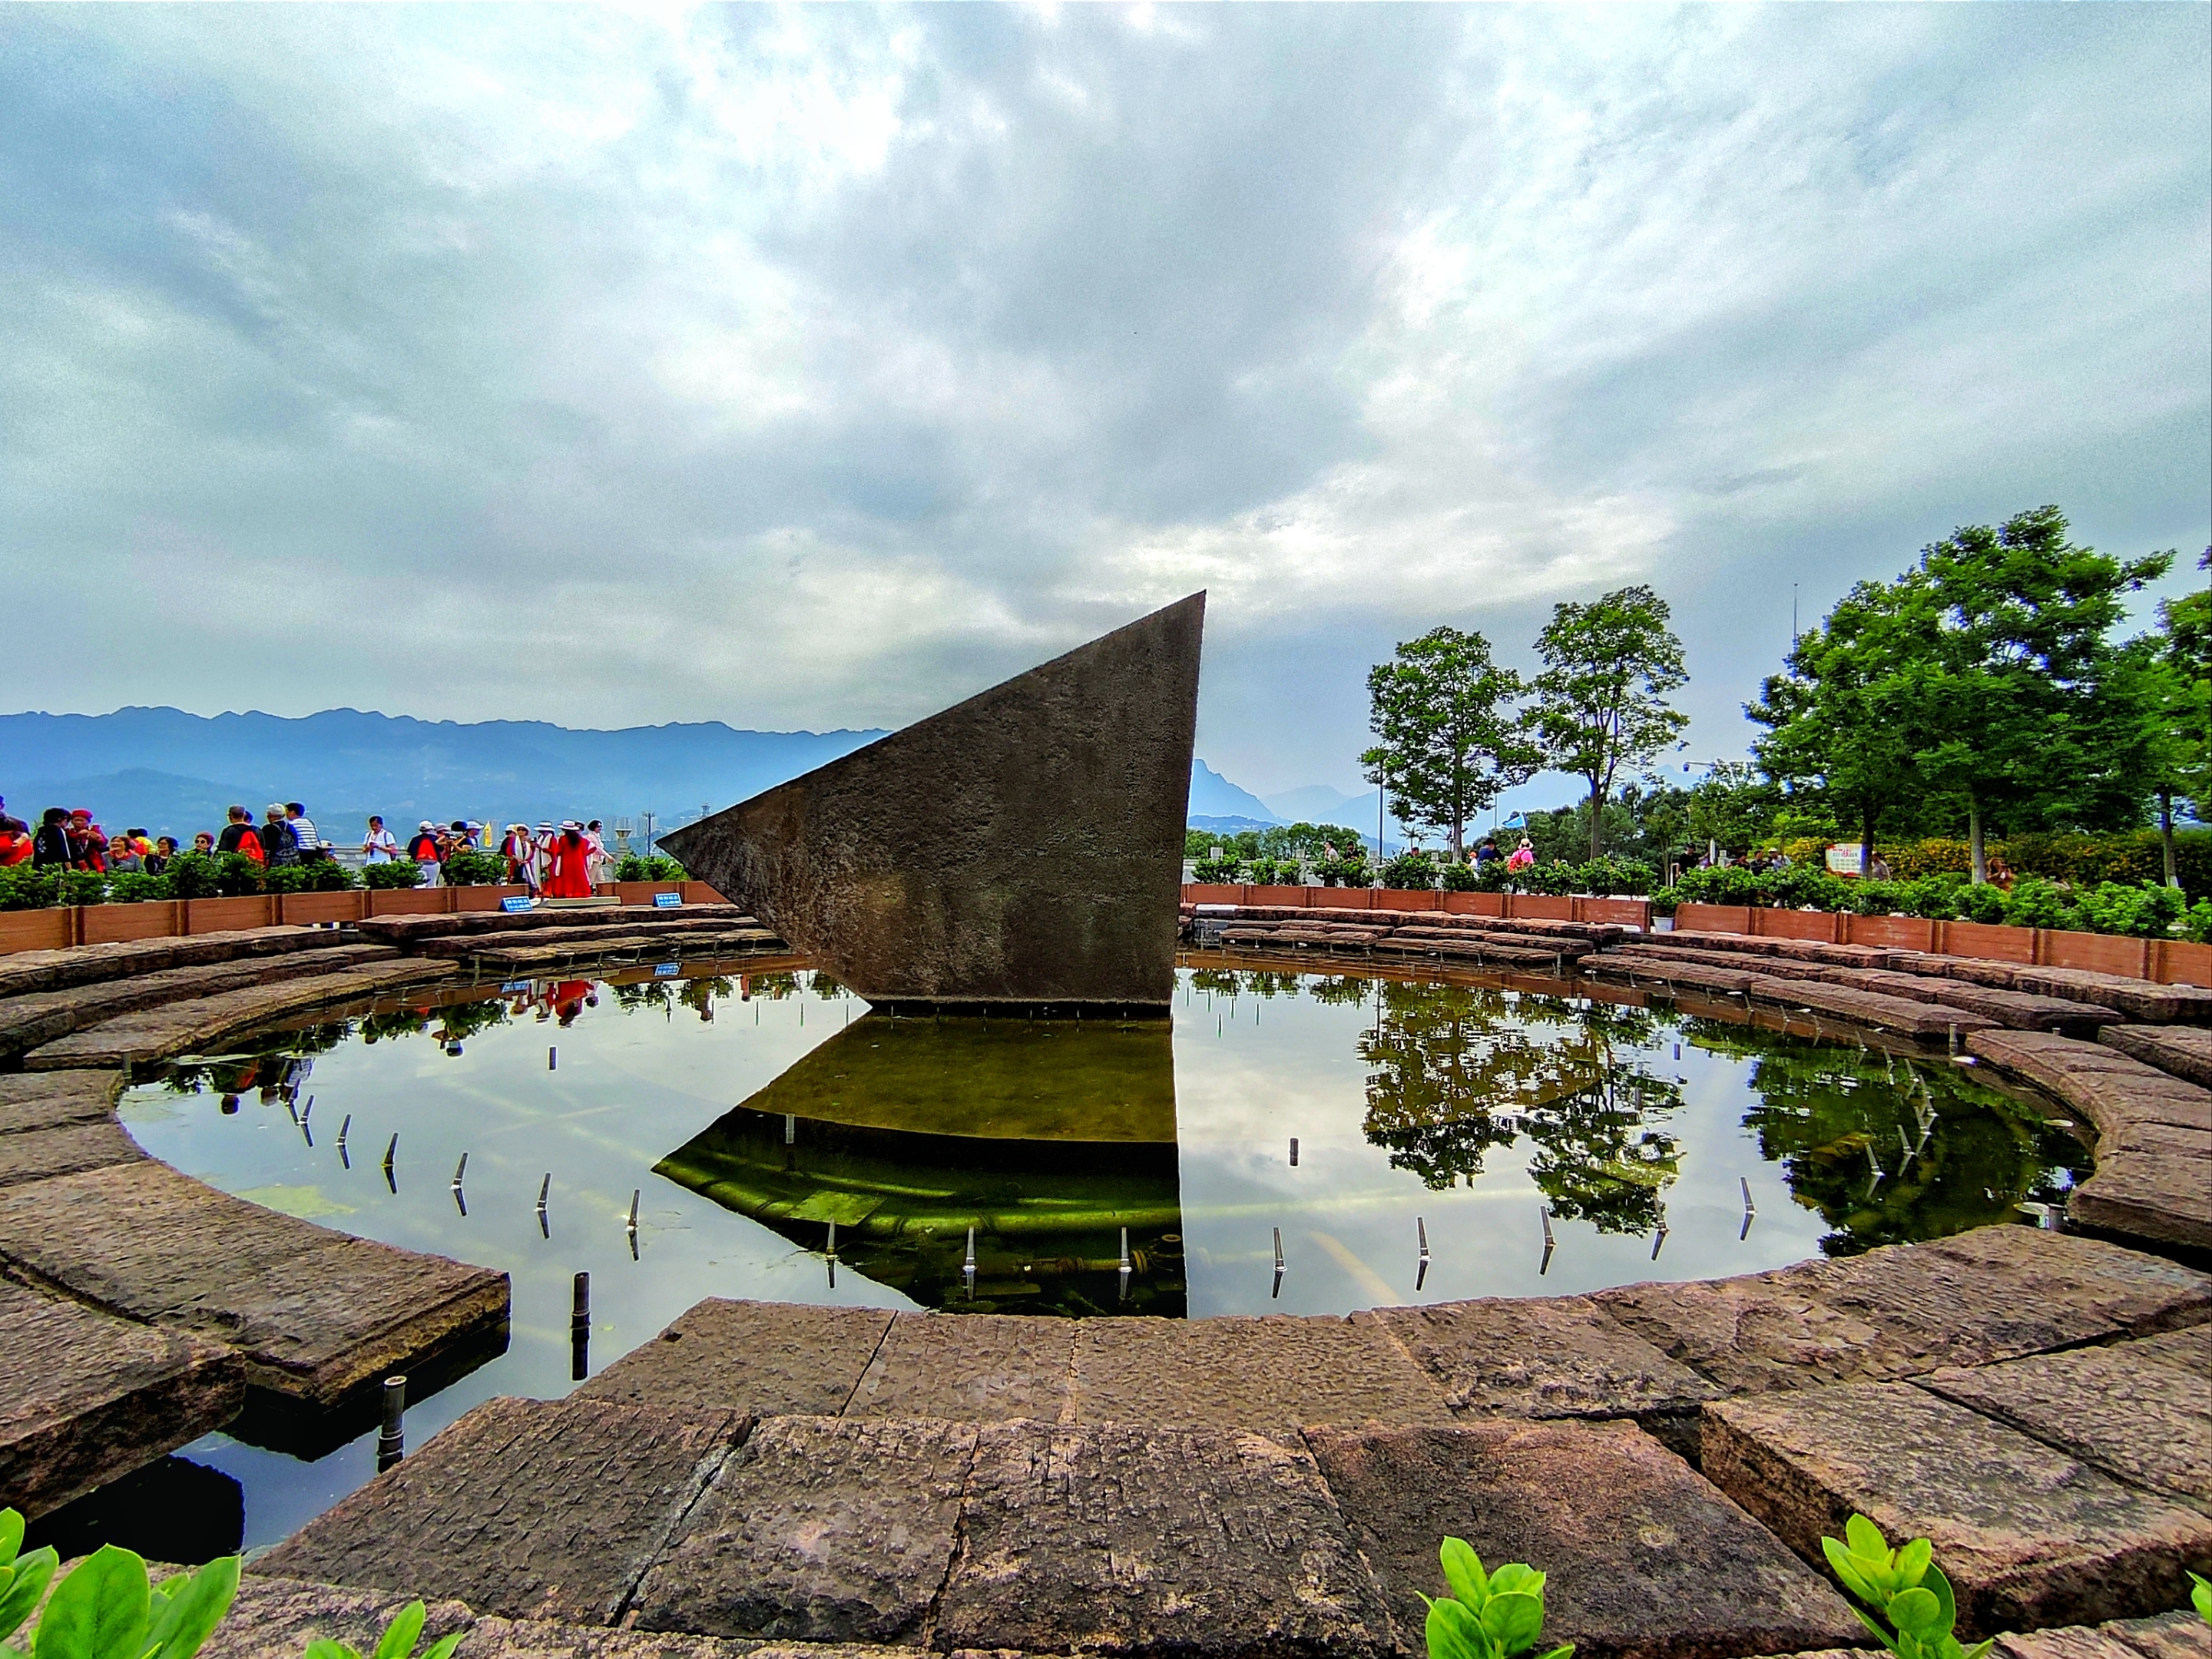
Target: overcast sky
<point x="817" y="368"/>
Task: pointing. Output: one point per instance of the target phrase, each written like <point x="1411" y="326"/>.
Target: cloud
<point x="815" y="366"/>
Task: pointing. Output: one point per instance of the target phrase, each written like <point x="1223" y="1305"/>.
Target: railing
<point x="1533" y="907"/>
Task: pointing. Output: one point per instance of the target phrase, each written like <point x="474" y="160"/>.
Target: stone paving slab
<point x="1648" y="971"/>
<point x="2173" y="1636"/>
<point x="1540" y="1357"/>
<point x="817" y="1529"/>
<point x="2138" y="999"/>
<point x="315" y="1313"/>
<point x="29" y="1020"/>
<point x="48" y="1100"/>
<point x="1994" y="1293"/>
<point x="81" y="964"/>
<point x="2153" y="1176"/>
<point x="526" y="1508"/>
<point x="66" y="1149"/>
<point x="2186" y="1051"/>
<point x="1646" y="1560"/>
<point x="2140" y="1410"/>
<point x="404" y="930"/>
<point x="2028" y="1536"/>
<point x="1115" y="1539"/>
<point x="1270" y="1374"/>
<point x="87" y="1397"/>
<point x="984" y="1368"/>
<point x="179" y="1028"/>
<point x="1890" y="1013"/>
<point x="765" y="1359"/>
<point x="2105" y="1085"/>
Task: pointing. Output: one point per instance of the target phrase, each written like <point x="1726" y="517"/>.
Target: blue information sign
<point x="666" y="969"/>
<point x="514" y="906"/>
<point x="667" y="901"/>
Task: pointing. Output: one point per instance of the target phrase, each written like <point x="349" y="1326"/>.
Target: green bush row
<point x="198" y="875"/>
<point x="2143" y="909"/>
<point x="631" y="867"/>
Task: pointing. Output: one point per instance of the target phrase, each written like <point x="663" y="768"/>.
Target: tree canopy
<point x="1450" y="740"/>
<point x="1601" y="697"/>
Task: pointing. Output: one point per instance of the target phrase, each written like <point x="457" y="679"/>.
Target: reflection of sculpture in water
<point x="1460" y="1070"/>
<point x="1886" y="1151"/>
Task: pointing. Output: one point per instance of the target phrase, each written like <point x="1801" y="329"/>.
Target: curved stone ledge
<point x="814" y="1476"/>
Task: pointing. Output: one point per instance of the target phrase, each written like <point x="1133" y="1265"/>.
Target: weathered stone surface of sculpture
<point x="1020" y="850"/>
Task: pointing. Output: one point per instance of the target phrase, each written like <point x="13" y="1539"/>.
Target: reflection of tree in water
<point x="699" y="994"/>
<point x="1459" y="1069"/>
<point x="1951" y="1154"/>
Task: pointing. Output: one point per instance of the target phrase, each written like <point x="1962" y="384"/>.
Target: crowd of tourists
<point x="563" y="861"/>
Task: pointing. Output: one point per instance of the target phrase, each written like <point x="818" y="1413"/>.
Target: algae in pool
<point x="1533" y="1140"/>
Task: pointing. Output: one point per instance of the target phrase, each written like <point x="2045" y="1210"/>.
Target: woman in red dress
<point x="569" y="876"/>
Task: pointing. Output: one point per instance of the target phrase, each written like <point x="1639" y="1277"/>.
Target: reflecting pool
<point x="1289" y="1142"/>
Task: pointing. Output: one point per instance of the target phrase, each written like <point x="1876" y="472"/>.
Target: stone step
<point x="88" y="1396"/>
<point x="2153" y="1176"/>
<point x="2140" y="999"/>
<point x="662" y="947"/>
<point x="1032" y="1536"/>
<point x="51" y="1100"/>
<point x="2028" y="1536"/>
<point x="2141" y="1410"/>
<point x="1926" y="1020"/>
<point x="25" y="971"/>
<point x="316" y="1314"/>
<point x="1998" y="1292"/>
<point x="36" y="1017"/>
<point x="2183" y="1050"/>
<point x="200" y="1022"/>
<point x="404" y="930"/>
<point x="672" y="937"/>
<point x="2006" y="1007"/>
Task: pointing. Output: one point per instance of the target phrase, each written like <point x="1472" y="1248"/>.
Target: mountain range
<point x="174" y="773"/>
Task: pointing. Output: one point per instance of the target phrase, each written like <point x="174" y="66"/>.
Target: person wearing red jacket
<point x="569" y="873"/>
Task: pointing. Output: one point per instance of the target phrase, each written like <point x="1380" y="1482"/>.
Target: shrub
<point x="1666" y="900"/>
<point x="192" y="876"/>
<point x="137" y="887"/>
<point x="329" y="876"/>
<point x="1905" y="1586"/>
<point x="2035" y="903"/>
<point x="28" y="886"/>
<point x="2197" y="924"/>
<point x="631" y="867"/>
<point x="1985" y="903"/>
<point x="1462" y="878"/>
<point x="1935" y="856"/>
<point x="400" y="873"/>
<point x="1347" y="871"/>
<point x="1554" y="878"/>
<point x="236" y="876"/>
<point x="1488" y="1616"/>
<point x="1411" y="871"/>
<point x="82" y="887"/>
<point x="1601" y="875"/>
<point x="105" y="1608"/>
<point x="285" y="878"/>
<point x="2146" y="910"/>
<point x="475" y="868"/>
<point x="1227" y="871"/>
<point x="1874" y="898"/>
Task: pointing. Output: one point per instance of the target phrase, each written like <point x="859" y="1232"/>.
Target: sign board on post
<point x="516" y="905"/>
<point x="667" y="901"/>
<point x="1846" y="860"/>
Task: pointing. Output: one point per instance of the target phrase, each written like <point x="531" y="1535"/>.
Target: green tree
<point x="2178" y="705"/>
<point x="2027" y="693"/>
<point x="1602" y="698"/>
<point x="1450" y="742"/>
<point x="1849" y="714"/>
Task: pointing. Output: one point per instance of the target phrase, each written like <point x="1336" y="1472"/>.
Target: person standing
<point x="88" y="843"/>
<point x="303" y="829"/>
<point x="11" y="826"/>
<point x="238" y="837"/>
<point x="379" y="846"/>
<point x="52" y="844"/>
<point x="123" y="858"/>
<point x="599" y="866"/>
<point x="422" y="847"/>
<point x="165" y="849"/>
<point x="568" y="875"/>
<point x="277" y="841"/>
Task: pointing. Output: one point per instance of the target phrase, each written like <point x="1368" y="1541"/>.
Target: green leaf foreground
<point x="1488" y="1616"/>
<point x="106" y="1608"/>
<point x="1905" y="1586"/>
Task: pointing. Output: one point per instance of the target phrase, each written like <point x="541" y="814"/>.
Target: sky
<point x="815" y="367"/>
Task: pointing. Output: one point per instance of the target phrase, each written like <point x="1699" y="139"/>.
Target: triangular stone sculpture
<point x="1020" y="851"/>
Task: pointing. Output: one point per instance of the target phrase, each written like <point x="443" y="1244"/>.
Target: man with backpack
<point x="238" y="837"/>
<point x="422" y="847"/>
